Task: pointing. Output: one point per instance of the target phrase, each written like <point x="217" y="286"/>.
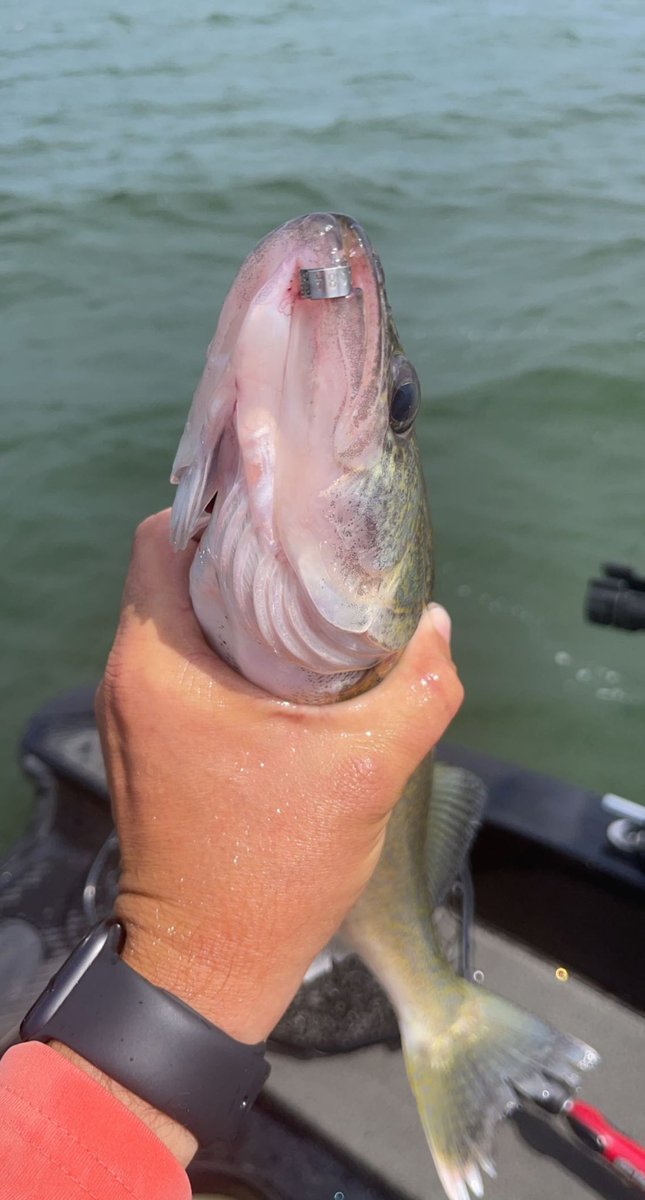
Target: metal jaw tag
<point x="326" y="283"/>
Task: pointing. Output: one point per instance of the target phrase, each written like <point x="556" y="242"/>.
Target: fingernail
<point x="441" y="621"/>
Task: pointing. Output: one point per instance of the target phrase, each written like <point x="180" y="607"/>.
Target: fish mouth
<point x="254" y="336"/>
<point x="288" y="421"/>
<point x="356" y="243"/>
<point x="333" y="420"/>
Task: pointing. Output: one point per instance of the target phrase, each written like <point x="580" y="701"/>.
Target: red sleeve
<point x="64" y="1137"/>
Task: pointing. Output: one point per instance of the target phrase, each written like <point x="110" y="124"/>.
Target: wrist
<point x="180" y="1141"/>
<point x="180" y="1074"/>
<point x="240" y="989"/>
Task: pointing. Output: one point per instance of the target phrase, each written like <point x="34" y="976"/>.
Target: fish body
<point x="299" y="471"/>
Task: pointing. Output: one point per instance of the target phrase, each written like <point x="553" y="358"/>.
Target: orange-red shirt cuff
<point x="65" y="1137"/>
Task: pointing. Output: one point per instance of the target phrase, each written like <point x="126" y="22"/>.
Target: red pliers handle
<point x="594" y="1129"/>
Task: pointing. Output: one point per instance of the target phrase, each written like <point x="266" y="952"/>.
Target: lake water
<point x="495" y="152"/>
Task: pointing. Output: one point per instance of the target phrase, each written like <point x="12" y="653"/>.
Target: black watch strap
<point x="147" y="1039"/>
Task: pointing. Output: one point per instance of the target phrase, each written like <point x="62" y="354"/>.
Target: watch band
<point x="147" y="1039"/>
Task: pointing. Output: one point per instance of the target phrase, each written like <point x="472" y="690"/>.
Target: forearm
<point x="65" y="1137"/>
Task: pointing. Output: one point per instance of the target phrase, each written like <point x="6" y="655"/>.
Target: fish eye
<point x="404" y="397"/>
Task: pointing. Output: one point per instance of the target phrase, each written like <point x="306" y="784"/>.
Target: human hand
<point x="248" y="826"/>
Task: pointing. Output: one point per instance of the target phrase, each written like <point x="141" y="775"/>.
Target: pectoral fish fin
<point x="455" y="812"/>
<point x="197" y="460"/>
<point x="463" y="1075"/>
<point x="196" y="488"/>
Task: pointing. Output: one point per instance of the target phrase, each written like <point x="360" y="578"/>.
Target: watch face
<point x="61" y="984"/>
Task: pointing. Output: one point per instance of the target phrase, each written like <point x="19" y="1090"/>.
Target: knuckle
<point x="120" y="688"/>
<point x="140" y="544"/>
<point x="99" y="703"/>
<point x="113" y="688"/>
<point x="148" y="536"/>
<point x="145" y="530"/>
<point x="433" y="698"/>
<point x="447" y="695"/>
<point x="363" y="772"/>
<point x="359" y="786"/>
<point x="453" y="689"/>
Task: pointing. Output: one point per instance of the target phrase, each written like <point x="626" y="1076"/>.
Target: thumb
<point x="418" y="699"/>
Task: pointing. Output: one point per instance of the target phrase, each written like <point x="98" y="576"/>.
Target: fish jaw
<point x="269" y="277"/>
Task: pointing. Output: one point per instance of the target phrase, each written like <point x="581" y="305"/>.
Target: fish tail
<point x="466" y="1050"/>
<point x="464" y="1064"/>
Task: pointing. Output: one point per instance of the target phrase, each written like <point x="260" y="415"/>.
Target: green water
<point x="494" y="151"/>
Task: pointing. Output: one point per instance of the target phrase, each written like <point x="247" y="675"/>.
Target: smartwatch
<point x="147" y="1039"/>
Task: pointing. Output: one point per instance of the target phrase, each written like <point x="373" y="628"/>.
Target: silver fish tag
<point x="325" y="283"/>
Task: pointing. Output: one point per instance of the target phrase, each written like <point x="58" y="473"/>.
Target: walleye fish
<point x="299" y="468"/>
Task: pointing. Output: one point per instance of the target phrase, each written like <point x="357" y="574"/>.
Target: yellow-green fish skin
<point x="465" y="1049"/>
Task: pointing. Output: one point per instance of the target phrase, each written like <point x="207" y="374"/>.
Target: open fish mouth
<point x="283" y="468"/>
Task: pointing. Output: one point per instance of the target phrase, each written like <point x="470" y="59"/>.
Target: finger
<point x="441" y="621"/>
<point x="157" y="572"/>
<point x="157" y="596"/>
<point x="418" y="699"/>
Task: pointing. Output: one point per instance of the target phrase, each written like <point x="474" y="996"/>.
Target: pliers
<point x="591" y="1126"/>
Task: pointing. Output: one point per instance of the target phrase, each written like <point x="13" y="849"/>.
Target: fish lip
<point x="354" y="238"/>
<point x="350" y="228"/>
<point x="353" y="229"/>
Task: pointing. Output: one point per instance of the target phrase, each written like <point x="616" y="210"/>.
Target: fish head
<point x="315" y="561"/>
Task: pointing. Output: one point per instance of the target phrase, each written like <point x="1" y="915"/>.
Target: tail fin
<point x="462" y="1075"/>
